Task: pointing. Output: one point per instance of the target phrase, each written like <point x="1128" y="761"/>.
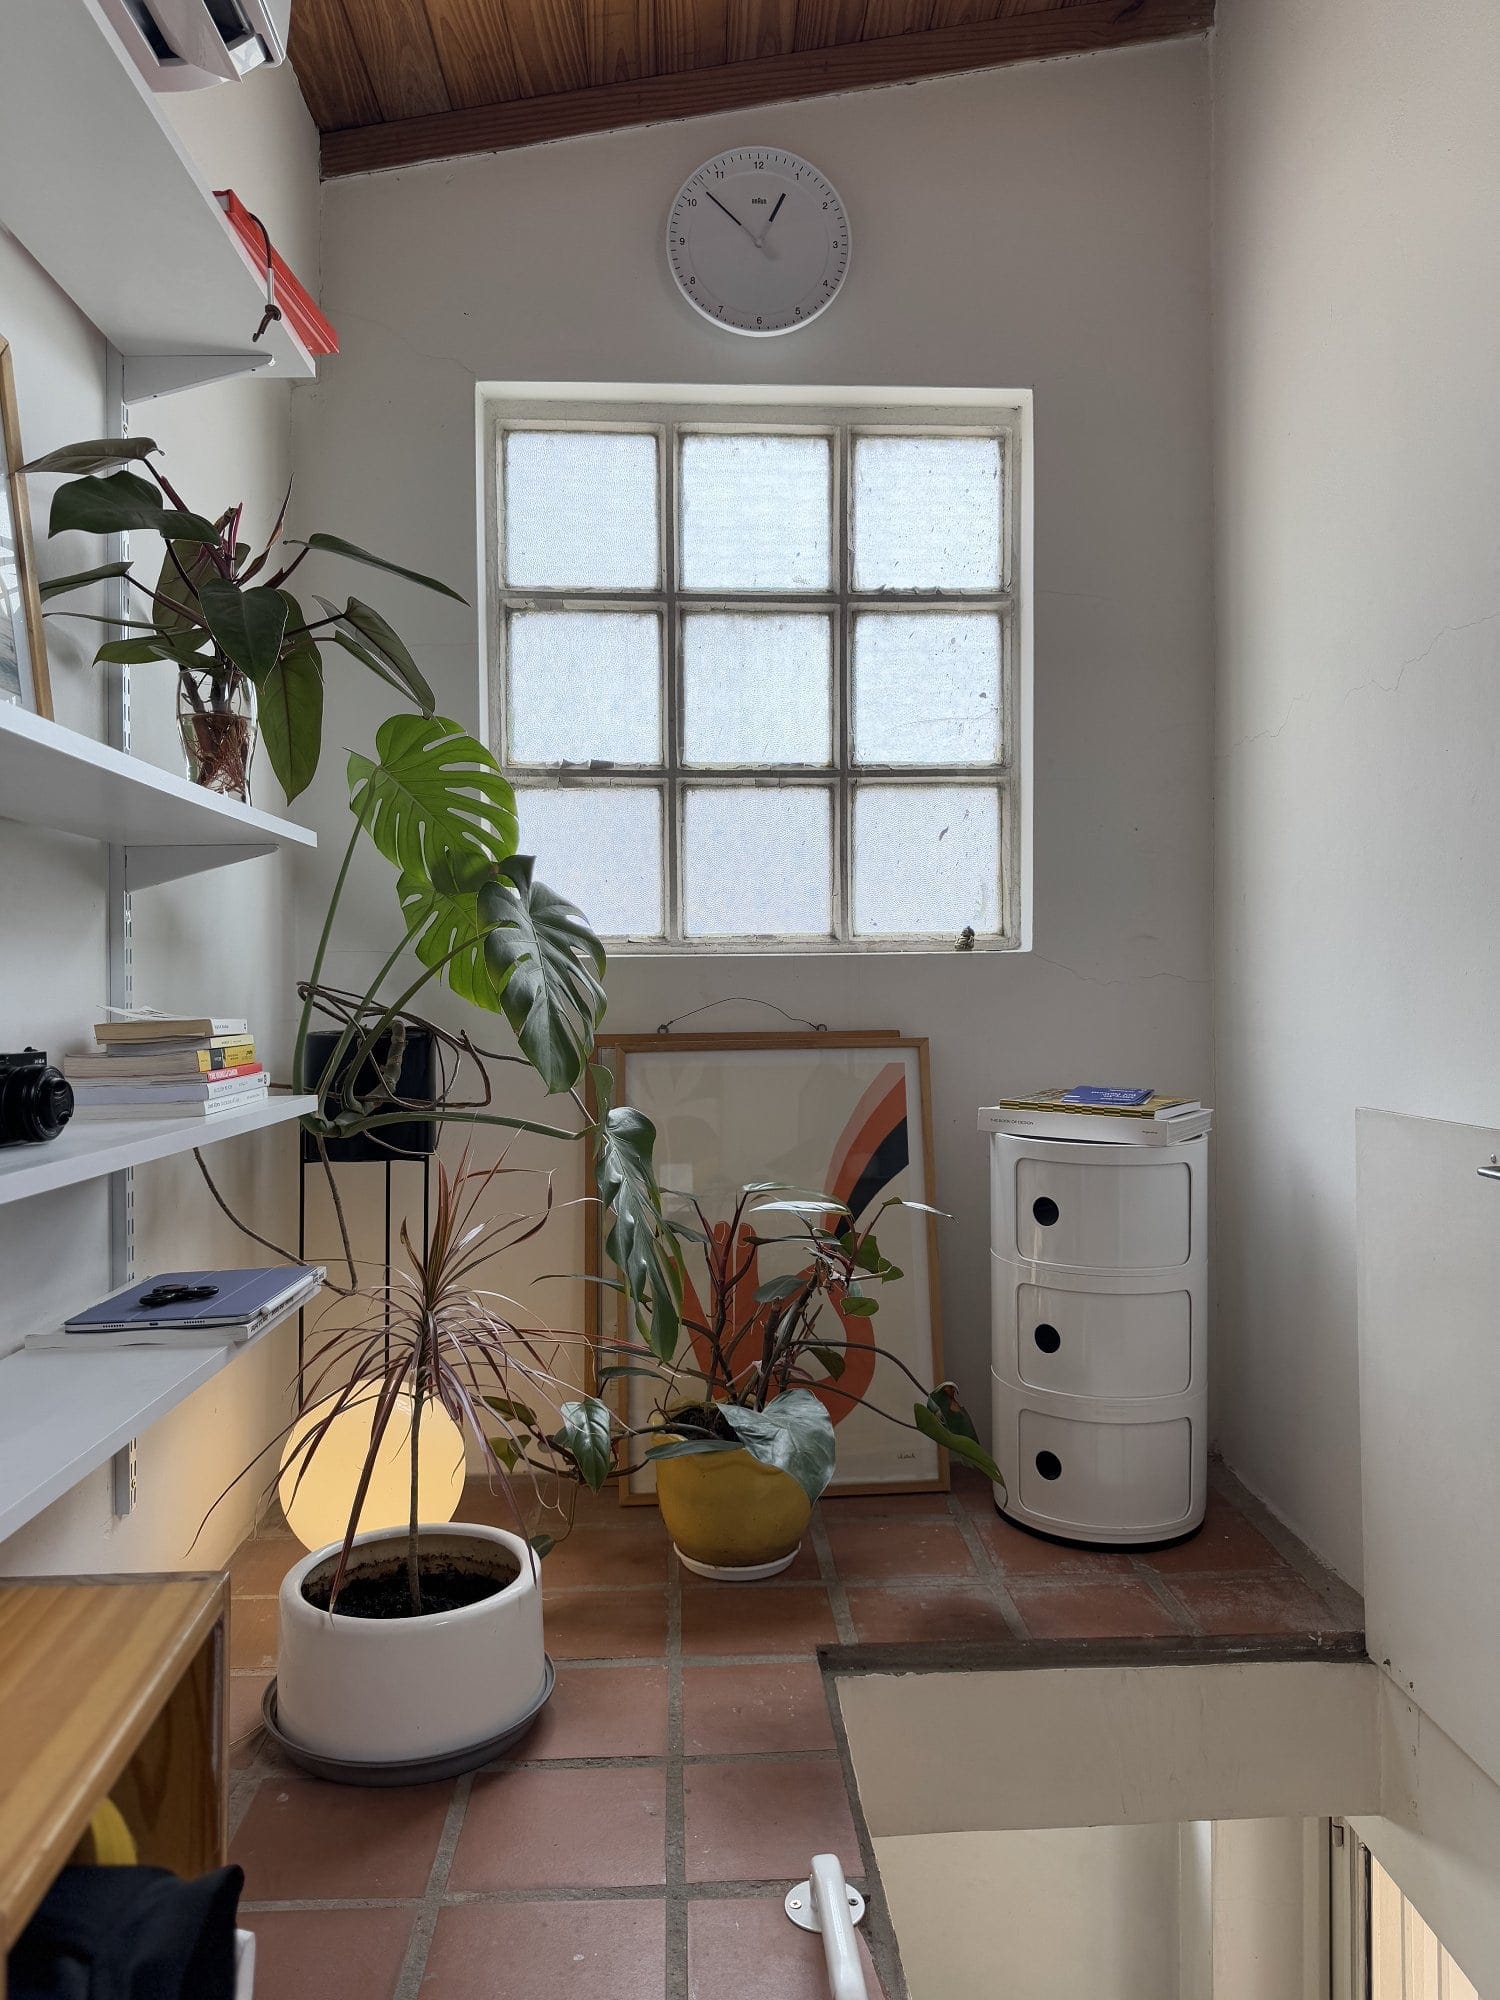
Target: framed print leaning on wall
<point x="845" y="1115"/>
<point x="23" y="651"/>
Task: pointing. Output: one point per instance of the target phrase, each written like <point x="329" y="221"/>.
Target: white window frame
<point x="842" y="421"/>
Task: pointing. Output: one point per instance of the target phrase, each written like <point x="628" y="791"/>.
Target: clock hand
<point x="726" y="211"/>
<point x="760" y="241"/>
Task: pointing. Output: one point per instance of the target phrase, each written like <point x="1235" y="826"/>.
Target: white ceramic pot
<point x="382" y="1690"/>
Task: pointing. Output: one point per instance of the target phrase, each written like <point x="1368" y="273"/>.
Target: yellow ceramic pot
<point x="727" y="1511"/>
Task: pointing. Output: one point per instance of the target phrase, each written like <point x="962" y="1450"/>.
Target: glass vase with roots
<point x="216" y="719"/>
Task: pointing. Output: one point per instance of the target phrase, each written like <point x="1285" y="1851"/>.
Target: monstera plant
<point x="246" y="652"/>
<point x="473" y="916"/>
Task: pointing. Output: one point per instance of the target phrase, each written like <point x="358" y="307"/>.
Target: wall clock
<point x="758" y="240"/>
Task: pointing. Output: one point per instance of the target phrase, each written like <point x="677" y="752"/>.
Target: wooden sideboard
<point x="110" y="1688"/>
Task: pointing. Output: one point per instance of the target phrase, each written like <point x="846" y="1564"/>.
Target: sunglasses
<point x="176" y="1295"/>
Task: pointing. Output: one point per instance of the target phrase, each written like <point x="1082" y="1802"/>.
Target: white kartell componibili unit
<point x="1099" y="1263"/>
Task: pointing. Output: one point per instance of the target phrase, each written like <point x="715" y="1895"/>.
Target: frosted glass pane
<point x="926" y="687"/>
<point x="580" y="510"/>
<point x="755" y="513"/>
<point x="755" y="688"/>
<point x="926" y="513"/>
<point x="601" y="848"/>
<point x="584" y="685"/>
<point x="926" y="860"/>
<point x="756" y="863"/>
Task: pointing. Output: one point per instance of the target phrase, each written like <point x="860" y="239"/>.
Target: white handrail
<point x="830" y="1899"/>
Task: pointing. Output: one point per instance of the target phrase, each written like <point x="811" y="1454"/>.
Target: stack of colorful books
<point x="1100" y="1113"/>
<point x="169" y="1066"/>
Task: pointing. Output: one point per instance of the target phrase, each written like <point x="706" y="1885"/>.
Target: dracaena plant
<point x="439" y="1332"/>
<point x="219" y="608"/>
<point x="764" y="1360"/>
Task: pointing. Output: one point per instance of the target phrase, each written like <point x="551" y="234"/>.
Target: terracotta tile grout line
<point x="838" y="1597"/>
<point x="989" y="1571"/>
<point x="454" y="1899"/>
<point x="414" y="1966"/>
<point x="504" y="1764"/>
<point x="1167" y="1598"/>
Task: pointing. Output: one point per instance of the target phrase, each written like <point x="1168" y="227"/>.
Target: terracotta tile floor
<point x="686" y="1770"/>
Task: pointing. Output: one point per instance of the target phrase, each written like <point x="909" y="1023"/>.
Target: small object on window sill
<point x="965" y="939"/>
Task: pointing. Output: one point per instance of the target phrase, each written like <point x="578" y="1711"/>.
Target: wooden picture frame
<point x="848" y="1100"/>
<point x="23" y="646"/>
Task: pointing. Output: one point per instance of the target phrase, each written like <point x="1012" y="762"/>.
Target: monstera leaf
<point x="639" y="1243"/>
<point x="547" y="965"/>
<point x="432" y="794"/>
<point x="443" y="913"/>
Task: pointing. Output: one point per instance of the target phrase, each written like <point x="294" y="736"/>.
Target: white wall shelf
<point x="64" y="1415"/>
<point x="93" y="1146"/>
<point x="102" y="192"/>
<point x="56" y="778"/>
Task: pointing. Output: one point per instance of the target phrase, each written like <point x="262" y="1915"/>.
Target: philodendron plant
<point x="763" y="1360"/>
<point x="220" y="612"/>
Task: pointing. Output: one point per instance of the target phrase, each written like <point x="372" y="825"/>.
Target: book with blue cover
<point x="1109" y="1096"/>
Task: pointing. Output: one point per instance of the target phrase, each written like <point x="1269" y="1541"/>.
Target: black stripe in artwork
<point x="890" y="1158"/>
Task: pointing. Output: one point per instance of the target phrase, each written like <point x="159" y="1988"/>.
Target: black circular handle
<point x="1046" y="1210"/>
<point x="1049" y="1465"/>
<point x="1047" y="1338"/>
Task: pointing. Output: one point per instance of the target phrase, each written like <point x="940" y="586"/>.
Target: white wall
<point x="221" y="940"/>
<point x="1357" y="289"/>
<point x="1040" y="228"/>
<point x="1048" y="1915"/>
<point x="1228" y="1909"/>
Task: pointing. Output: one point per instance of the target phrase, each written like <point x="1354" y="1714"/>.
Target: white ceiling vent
<point x="189" y="44"/>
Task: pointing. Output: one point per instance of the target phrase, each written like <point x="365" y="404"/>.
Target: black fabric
<point x="130" y="1934"/>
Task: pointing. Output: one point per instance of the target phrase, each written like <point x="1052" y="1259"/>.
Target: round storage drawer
<point x="1098" y="1208"/>
<point x="1113" y="1344"/>
<point x="1110" y="1479"/>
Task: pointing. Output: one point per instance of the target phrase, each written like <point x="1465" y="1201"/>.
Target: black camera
<point x="36" y="1100"/>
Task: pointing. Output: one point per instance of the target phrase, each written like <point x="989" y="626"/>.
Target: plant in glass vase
<point x="248" y="657"/>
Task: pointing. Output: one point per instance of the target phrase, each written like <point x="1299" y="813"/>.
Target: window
<point x="1383" y="1948"/>
<point x="754" y="671"/>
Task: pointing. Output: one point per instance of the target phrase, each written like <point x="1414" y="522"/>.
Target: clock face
<point x="758" y="241"/>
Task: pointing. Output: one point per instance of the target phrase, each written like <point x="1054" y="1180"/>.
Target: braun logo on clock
<point x="758" y="241"/>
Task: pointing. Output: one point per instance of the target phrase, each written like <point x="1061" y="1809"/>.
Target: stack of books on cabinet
<point x="185" y="1066"/>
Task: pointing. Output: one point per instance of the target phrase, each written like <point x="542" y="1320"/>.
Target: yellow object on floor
<point x="728" y="1509"/>
<point x="108" y="1842"/>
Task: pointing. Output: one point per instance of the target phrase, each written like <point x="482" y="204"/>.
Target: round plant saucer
<point x="406" y="1770"/>
<point x="738" y="1572"/>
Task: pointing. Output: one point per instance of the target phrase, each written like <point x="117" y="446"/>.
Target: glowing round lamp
<point x="317" y="1493"/>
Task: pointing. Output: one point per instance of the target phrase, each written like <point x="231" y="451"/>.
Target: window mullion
<point x="671" y="691"/>
<point x="843" y="697"/>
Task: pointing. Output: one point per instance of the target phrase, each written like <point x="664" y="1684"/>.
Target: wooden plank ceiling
<point x="391" y="82"/>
